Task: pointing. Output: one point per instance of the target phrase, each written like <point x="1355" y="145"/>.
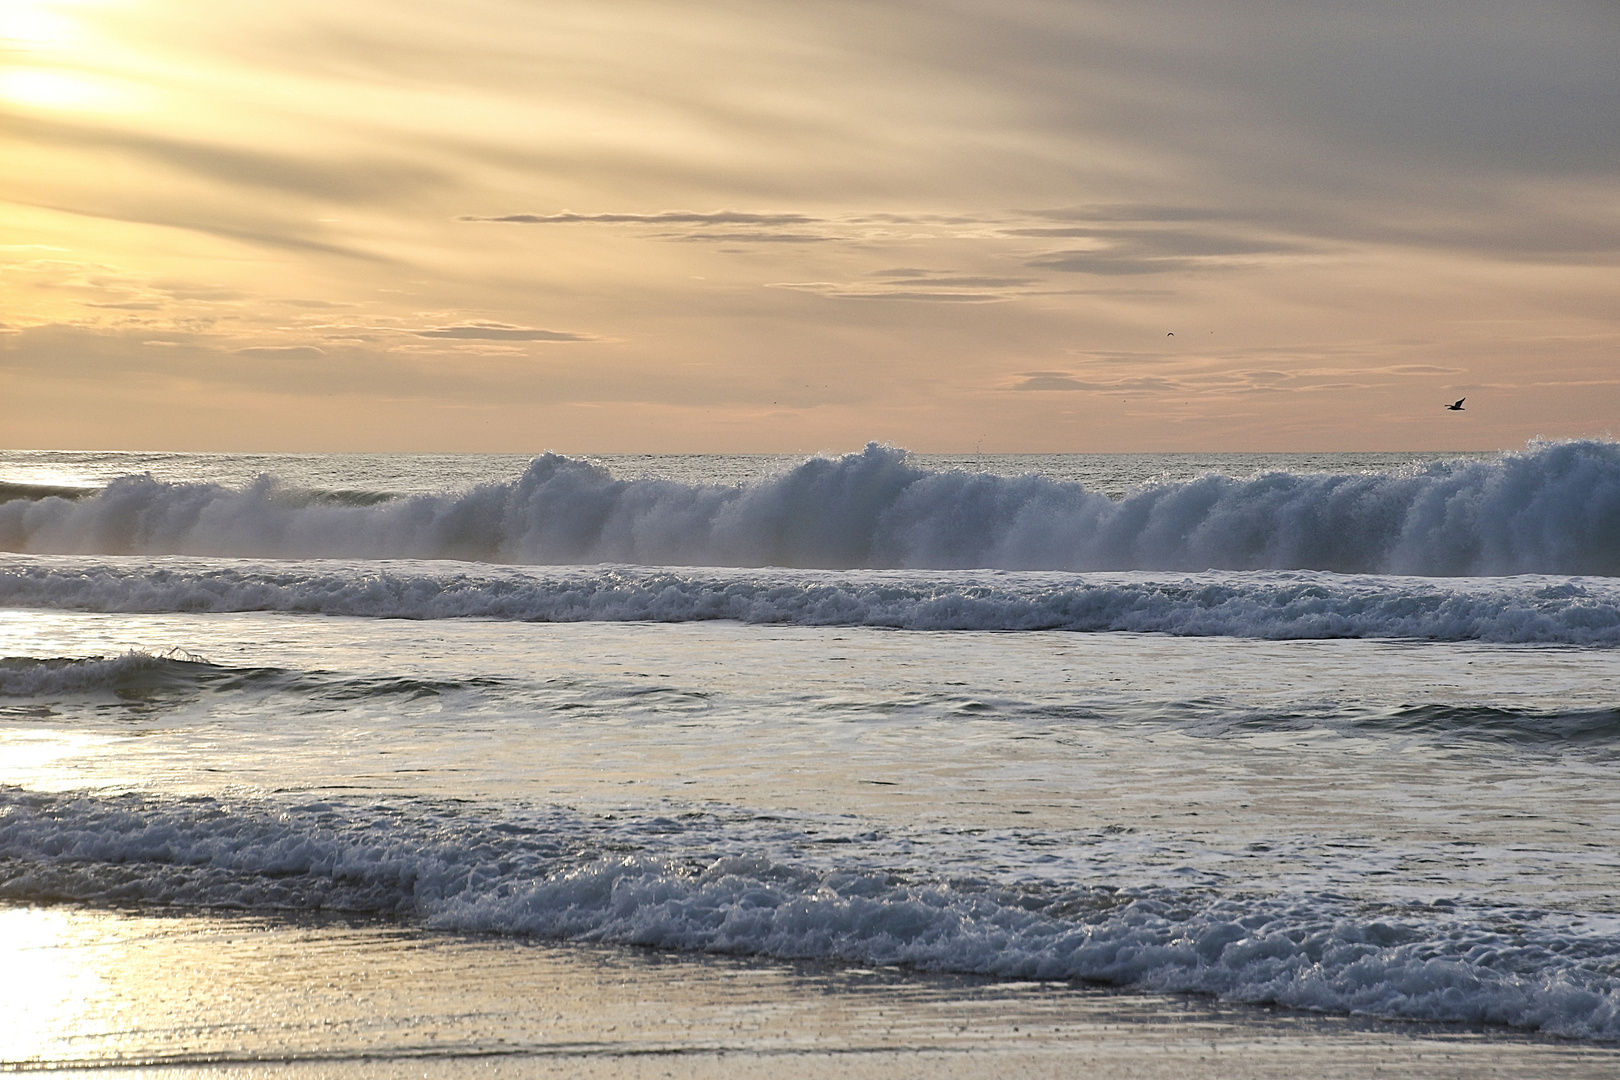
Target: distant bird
<point x="1458" y="406"/>
<point x="1171" y="334"/>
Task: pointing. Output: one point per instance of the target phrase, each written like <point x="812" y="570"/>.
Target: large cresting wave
<point x="1552" y="509"/>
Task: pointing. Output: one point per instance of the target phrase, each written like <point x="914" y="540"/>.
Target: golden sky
<point x="795" y="225"/>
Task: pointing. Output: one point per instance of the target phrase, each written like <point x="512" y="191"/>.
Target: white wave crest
<point x="717" y="886"/>
<point x="1554" y="508"/>
<point x="1259" y="604"/>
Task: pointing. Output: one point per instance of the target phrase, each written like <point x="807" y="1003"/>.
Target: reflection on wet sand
<point x="245" y="995"/>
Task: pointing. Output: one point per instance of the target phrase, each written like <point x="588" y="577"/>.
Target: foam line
<point x="1260" y="604"/>
<point x="701" y="884"/>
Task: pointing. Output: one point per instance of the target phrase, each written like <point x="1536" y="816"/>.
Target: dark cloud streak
<point x="344" y="181"/>
<point x="177" y="217"/>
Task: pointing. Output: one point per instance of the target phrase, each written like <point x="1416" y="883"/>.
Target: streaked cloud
<point x="1063" y="381"/>
<point x="489" y="331"/>
<point x="1151" y="251"/>
<point x="667" y="217"/>
<point x="750" y="236"/>
<point x="282" y="352"/>
<point x="799" y="225"/>
<point x="923" y="286"/>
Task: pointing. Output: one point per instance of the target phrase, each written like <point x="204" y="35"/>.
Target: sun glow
<point x="53" y="760"/>
<point x="45" y="985"/>
<point x="49" y="89"/>
<point x="31" y="28"/>
<point x="57" y="62"/>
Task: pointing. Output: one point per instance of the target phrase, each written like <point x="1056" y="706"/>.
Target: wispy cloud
<point x="492" y="331"/>
<point x="1063" y="380"/>
<point x="916" y="206"/>
<point x="341" y="179"/>
<point x="920" y="286"/>
<point x="1136" y="250"/>
<point x="1121" y="239"/>
<point x="703" y="227"/>
<point x="1126" y="212"/>
<point x="666" y="217"/>
<point x="749" y="236"/>
<point x="282" y="352"/>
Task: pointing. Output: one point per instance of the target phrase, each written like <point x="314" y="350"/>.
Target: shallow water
<point x="113" y="993"/>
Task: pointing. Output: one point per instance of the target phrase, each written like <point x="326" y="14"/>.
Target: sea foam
<point x="1552" y="509"/>
<point x="721" y="885"/>
<point x="1257" y="604"/>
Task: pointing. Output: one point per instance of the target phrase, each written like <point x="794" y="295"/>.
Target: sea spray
<point x="1552" y="509"/>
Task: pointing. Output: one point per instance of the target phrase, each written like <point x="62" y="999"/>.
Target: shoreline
<point x="160" y="993"/>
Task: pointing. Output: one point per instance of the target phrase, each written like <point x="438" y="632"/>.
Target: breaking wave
<point x="1259" y="604"/>
<point x="143" y="674"/>
<point x="10" y="491"/>
<point x="724" y="881"/>
<point x="1552" y="509"/>
<point x="22" y="676"/>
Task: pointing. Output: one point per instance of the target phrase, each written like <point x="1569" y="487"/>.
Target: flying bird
<point x="1457" y="407"/>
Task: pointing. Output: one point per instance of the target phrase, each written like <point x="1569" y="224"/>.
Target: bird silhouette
<point x="1458" y="406"/>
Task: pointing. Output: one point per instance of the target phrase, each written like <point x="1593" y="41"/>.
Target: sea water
<point x="1334" y="732"/>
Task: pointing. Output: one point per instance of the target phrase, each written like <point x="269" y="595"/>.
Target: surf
<point x="1551" y="509"/>
<point x="1276" y="605"/>
<point x="711" y="882"/>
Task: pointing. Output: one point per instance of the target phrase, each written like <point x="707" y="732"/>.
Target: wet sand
<point x="154" y="995"/>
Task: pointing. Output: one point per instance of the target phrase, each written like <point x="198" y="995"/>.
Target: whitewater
<point x="1325" y="734"/>
<point x="1554" y="509"/>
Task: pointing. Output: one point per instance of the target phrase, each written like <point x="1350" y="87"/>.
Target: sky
<point x="787" y="226"/>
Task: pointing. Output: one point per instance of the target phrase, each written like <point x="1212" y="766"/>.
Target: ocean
<point x="1323" y="737"/>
